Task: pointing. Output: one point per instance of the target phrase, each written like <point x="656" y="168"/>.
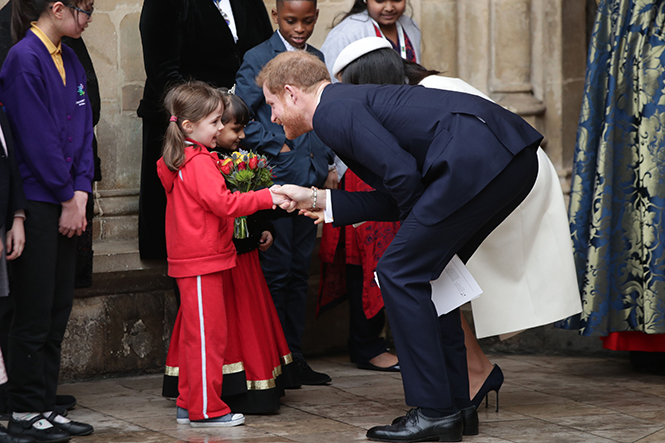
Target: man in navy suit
<point x="450" y="167"/>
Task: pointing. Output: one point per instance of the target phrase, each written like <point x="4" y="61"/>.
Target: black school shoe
<point x="67" y="402"/>
<point x="418" y="427"/>
<point x="26" y="428"/>
<point x="469" y="420"/>
<point x="5" y="437"/>
<point x="73" y="428"/>
<point x="307" y="376"/>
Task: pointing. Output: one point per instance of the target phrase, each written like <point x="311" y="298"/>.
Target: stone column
<point x="511" y="63"/>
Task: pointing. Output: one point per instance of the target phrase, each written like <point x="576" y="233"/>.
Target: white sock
<point x="58" y="418"/>
<point x="39" y="424"/>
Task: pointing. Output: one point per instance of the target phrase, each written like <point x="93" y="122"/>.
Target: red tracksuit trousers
<point x="203" y="339"/>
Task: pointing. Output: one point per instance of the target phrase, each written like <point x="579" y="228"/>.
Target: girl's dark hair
<point x="26" y="11"/>
<point x="358" y="7"/>
<point x="193" y="101"/>
<point x="415" y="73"/>
<point x="381" y="67"/>
<point x="234" y="108"/>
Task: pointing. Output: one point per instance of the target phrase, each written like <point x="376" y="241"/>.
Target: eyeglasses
<point x="88" y="13"/>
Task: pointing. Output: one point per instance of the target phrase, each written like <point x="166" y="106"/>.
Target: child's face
<point x="207" y="130"/>
<point x="386" y="12"/>
<point x="231" y="135"/>
<point x="77" y="18"/>
<point x="296" y="20"/>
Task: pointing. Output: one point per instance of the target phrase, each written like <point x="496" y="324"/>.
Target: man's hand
<point x="15" y="239"/>
<point x="72" y="218"/>
<point x="302" y="198"/>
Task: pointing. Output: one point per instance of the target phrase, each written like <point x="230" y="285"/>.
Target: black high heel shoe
<point x="493" y="382"/>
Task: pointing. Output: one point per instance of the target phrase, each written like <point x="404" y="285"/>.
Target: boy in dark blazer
<point x="451" y="167"/>
<point x="304" y="161"/>
<point x="185" y="40"/>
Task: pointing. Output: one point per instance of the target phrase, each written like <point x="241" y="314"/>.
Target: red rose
<point x="253" y="163"/>
<point x="242" y="166"/>
<point x="226" y="169"/>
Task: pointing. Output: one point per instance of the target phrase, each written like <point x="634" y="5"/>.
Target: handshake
<point x="308" y="201"/>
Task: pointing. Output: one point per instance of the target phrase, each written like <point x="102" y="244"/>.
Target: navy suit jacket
<point x="12" y="197"/>
<point x="425" y="151"/>
<point x="307" y="163"/>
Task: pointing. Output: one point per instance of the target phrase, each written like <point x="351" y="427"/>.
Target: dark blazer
<point x="189" y="39"/>
<point x="307" y="163"/>
<point x="12" y="197"/>
<point x="425" y="151"/>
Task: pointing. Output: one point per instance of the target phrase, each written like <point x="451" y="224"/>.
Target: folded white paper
<point x="454" y="287"/>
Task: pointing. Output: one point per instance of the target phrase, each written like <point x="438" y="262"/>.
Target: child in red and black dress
<point x="199" y="229"/>
<point x="257" y="364"/>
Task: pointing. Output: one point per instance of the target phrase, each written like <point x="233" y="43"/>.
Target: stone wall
<point x="529" y="55"/>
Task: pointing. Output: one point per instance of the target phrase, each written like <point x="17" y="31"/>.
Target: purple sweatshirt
<point x="51" y="122"/>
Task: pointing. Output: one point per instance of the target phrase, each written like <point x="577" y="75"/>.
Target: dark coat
<point x="12" y="197"/>
<point x="189" y="39"/>
<point x="425" y="151"/>
<point x="307" y="162"/>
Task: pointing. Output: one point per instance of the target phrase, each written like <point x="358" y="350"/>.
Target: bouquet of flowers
<point x="244" y="171"/>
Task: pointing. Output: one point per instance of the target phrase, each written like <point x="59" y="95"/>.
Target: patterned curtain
<point x="618" y="184"/>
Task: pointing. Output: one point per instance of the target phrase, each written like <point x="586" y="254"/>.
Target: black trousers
<point x="431" y="350"/>
<point x="286" y="269"/>
<point x="152" y="198"/>
<point x="42" y="295"/>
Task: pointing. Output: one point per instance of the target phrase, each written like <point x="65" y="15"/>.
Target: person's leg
<point x="365" y="333"/>
<point x="204" y="338"/>
<point x="276" y="264"/>
<point x="152" y="199"/>
<point x="477" y="362"/>
<point x="63" y="299"/>
<point x="303" y="240"/>
<point x="33" y="289"/>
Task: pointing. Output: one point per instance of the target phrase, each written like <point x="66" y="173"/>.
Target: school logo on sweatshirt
<point x="81" y="92"/>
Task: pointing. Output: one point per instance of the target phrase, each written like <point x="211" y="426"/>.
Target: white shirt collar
<point x="288" y="45"/>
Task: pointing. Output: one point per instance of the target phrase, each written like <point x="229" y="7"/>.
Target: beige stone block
<point x="328" y="13"/>
<point x="119" y="136"/>
<point x="131" y="97"/>
<point x="131" y="51"/>
<point x="109" y="5"/>
<point x="83" y="345"/>
<point x="101" y="40"/>
<point x="439" y="41"/>
<point x="511" y="49"/>
<point x="474" y="43"/>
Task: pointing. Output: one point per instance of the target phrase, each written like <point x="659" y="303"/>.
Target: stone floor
<point x="543" y="399"/>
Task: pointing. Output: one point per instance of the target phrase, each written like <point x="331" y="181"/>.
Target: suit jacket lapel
<point x="277" y="43"/>
<point x="215" y="24"/>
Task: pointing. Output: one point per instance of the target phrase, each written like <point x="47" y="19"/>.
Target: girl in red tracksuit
<point x="199" y="244"/>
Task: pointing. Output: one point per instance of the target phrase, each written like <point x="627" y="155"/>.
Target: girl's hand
<point x="72" y="218"/>
<point x="15" y="239"/>
<point x="266" y="240"/>
<point x="317" y="215"/>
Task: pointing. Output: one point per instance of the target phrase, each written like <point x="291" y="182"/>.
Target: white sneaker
<point x="230" y="419"/>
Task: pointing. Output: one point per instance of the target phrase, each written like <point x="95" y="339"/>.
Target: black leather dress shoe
<point x="26" y="428"/>
<point x="307" y="376"/>
<point x="469" y="420"/>
<point x="416" y="426"/>
<point x="5" y="437"/>
<point x="73" y="428"/>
